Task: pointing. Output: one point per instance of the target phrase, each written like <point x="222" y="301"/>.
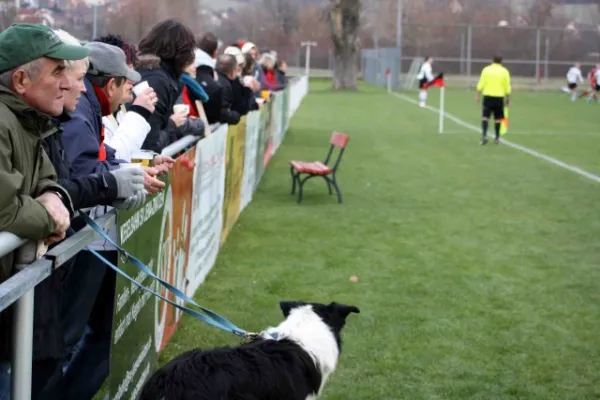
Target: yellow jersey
<point x="494" y="81"/>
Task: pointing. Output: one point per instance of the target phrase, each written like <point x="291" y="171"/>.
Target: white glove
<point x="131" y="202"/>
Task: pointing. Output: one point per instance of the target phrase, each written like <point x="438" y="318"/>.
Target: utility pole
<point x="308" y="45"/>
<point x="399" y="36"/>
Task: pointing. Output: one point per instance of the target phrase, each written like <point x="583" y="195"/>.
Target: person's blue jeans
<point x="90" y="363"/>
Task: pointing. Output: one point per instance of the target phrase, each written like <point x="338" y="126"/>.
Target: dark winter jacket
<point x="82" y="136"/>
<point x="228" y="114"/>
<point x="243" y="97"/>
<point x="165" y="83"/>
<point x="85" y="191"/>
<point x="205" y="76"/>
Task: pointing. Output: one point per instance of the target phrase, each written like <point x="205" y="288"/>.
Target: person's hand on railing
<point x="146" y="99"/>
<point x="130" y="181"/>
<point x="163" y="164"/>
<point x="52" y="202"/>
<point x="151" y="184"/>
<point x="132" y="202"/>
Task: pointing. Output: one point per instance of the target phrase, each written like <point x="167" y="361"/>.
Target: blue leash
<point x="208" y="316"/>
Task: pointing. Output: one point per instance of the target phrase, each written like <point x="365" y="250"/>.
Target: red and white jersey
<point x="592" y="76"/>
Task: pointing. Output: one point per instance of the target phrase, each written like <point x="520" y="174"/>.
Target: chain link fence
<point x="536" y="57"/>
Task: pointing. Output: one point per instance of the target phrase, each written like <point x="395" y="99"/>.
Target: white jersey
<point x="597" y="76"/>
<point x="574" y="75"/>
<point x="425" y="72"/>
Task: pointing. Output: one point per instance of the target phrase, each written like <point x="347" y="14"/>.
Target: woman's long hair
<point x="172" y="42"/>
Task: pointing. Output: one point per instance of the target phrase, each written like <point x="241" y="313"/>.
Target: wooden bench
<point x="304" y="170"/>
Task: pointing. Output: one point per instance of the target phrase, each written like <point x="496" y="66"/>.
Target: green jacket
<point x="25" y="172"/>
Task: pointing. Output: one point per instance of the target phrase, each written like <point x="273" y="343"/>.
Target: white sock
<point x="574" y="97"/>
<point x="423" y="96"/>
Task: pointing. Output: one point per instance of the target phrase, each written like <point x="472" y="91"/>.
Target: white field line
<point x="508" y="143"/>
<point x="528" y="133"/>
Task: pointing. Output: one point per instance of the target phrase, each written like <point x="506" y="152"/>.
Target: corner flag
<point x="437" y="81"/>
<point x="504" y="123"/>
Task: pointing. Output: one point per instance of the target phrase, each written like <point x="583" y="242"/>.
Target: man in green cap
<point x="32" y="204"/>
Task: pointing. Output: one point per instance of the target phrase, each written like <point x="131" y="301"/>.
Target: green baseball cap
<point x="23" y="43"/>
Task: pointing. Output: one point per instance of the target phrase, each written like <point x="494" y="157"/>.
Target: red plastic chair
<point x="304" y="170"/>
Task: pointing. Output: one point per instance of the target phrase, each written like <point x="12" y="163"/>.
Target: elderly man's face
<point x="116" y="93"/>
<point x="128" y="90"/>
<point x="44" y="90"/>
<point x="76" y="75"/>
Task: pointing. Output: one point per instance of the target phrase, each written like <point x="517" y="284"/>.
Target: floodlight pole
<point x="308" y="45"/>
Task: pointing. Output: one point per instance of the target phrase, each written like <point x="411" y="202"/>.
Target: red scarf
<point x="271" y="77"/>
<point x="188" y="100"/>
<point x="106" y="110"/>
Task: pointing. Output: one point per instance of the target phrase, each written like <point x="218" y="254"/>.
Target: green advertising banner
<point x="134" y="351"/>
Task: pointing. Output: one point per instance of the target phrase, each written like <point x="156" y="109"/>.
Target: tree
<point x="285" y="12"/>
<point x="344" y="23"/>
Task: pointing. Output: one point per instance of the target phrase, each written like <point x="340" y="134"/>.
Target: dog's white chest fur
<point x="306" y="328"/>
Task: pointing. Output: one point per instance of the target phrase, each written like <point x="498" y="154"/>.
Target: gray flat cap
<point x="106" y="59"/>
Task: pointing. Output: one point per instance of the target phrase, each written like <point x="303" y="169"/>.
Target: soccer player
<point x="594" y="78"/>
<point x="494" y="83"/>
<point x="573" y="78"/>
<point x="425" y="76"/>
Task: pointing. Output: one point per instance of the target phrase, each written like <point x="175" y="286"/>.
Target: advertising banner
<point x="234" y="174"/>
<point x="176" y="226"/>
<point x="250" y="157"/>
<point x="134" y="349"/>
<point x="207" y="207"/>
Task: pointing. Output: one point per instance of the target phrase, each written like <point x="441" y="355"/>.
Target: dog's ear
<point x="344" y="310"/>
<point x="288" y="306"/>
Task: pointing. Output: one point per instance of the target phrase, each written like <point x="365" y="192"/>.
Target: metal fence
<point x="535" y="56"/>
<point x="32" y="269"/>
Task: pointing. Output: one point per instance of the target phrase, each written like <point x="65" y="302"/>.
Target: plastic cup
<point x="130" y="165"/>
<point x="140" y="87"/>
<point x="178" y="108"/>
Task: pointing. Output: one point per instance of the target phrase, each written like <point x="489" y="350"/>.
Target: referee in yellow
<point x="495" y="86"/>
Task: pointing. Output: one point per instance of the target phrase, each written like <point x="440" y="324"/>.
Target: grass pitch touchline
<point x="524" y="149"/>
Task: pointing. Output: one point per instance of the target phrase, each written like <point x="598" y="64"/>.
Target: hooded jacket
<point x="205" y="76"/>
<point x="26" y="173"/>
<point x="165" y="83"/>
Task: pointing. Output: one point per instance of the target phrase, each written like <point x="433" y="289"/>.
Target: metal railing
<point x="19" y="289"/>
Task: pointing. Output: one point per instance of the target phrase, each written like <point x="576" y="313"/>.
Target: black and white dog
<point x="289" y="362"/>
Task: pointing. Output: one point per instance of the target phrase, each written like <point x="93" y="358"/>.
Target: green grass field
<point x="478" y="267"/>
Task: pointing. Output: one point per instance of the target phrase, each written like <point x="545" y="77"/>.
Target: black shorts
<point x="597" y="88"/>
<point x="493" y="105"/>
<point x="422" y="83"/>
<point x="572" y="86"/>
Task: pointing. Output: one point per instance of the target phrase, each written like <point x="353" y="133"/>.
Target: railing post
<point x="22" y="351"/>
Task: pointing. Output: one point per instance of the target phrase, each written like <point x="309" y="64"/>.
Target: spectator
<point x="250" y="81"/>
<point x="250" y="48"/>
<point x="190" y="124"/>
<point x="226" y="68"/>
<point x="270" y="78"/>
<point x="34" y="206"/>
<point x="84" y="133"/>
<point x="280" y="72"/>
<point x="165" y="52"/>
<point x="242" y="91"/>
<point x="206" y="76"/>
<point x="126" y="130"/>
<point x="91" y="190"/>
<point x="89" y="293"/>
